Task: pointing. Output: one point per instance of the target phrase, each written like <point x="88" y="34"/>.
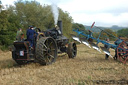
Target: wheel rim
<point x="50" y="51"/>
<point x="122" y="51"/>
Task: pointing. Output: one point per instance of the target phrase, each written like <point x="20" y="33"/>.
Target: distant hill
<point x="114" y="28"/>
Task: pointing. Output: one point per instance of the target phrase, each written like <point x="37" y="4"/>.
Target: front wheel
<point x="72" y="50"/>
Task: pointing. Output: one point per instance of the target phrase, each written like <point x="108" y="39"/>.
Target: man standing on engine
<point x="30" y="36"/>
<point x="27" y="32"/>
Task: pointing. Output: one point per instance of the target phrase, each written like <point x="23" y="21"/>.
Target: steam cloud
<point x="55" y="12"/>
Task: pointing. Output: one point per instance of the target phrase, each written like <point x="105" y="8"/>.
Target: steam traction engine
<point x="47" y="45"/>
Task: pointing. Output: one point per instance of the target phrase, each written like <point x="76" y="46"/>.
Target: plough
<point x="120" y="45"/>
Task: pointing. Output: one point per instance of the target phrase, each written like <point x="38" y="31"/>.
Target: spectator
<point x="19" y="35"/>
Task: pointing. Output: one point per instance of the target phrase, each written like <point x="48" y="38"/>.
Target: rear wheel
<point x="72" y="50"/>
<point x="46" y="51"/>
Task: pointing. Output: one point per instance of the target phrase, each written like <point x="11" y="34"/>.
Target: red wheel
<point x="122" y="51"/>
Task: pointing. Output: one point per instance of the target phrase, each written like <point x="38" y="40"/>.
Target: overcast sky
<point x="103" y="12"/>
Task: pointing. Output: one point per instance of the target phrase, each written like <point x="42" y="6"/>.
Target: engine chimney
<point x="60" y="26"/>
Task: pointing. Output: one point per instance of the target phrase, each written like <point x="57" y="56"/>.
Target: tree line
<point x="26" y="13"/>
<point x="106" y="33"/>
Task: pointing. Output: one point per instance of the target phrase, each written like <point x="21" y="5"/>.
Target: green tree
<point x="123" y="32"/>
<point x="7" y="28"/>
<point x="81" y="27"/>
<point x="32" y="13"/>
<point x="78" y="25"/>
<point x="67" y="22"/>
<point x="3" y="20"/>
<point x="108" y="33"/>
<point x="29" y="13"/>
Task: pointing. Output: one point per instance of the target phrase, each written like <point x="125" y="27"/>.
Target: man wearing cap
<point x="30" y="36"/>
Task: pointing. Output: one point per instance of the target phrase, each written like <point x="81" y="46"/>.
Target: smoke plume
<point x="55" y="12"/>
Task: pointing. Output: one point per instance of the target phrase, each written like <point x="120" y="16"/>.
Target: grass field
<point x="89" y="67"/>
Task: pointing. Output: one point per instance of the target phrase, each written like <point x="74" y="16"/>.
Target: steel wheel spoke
<point x="122" y="43"/>
<point x="45" y="54"/>
<point x="73" y="50"/>
<point x="44" y="50"/>
<point x="126" y="59"/>
<point x="48" y="59"/>
<point x="51" y="56"/>
<point x="125" y="44"/>
<point x="73" y="54"/>
<point x="122" y="52"/>
<point x="50" y="44"/>
<point x="43" y="59"/>
<point x="121" y="48"/>
<point x="53" y="49"/>
<point x="124" y="55"/>
<point x="45" y="46"/>
<point x="47" y="43"/>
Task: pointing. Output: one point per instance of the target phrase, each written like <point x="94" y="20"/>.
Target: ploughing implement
<point x="120" y="45"/>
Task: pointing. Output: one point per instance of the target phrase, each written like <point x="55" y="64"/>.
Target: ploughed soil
<point x="88" y="67"/>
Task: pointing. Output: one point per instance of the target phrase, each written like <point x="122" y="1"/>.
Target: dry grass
<point x="88" y="66"/>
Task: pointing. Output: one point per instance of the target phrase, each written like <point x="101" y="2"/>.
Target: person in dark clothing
<point x="27" y="31"/>
<point x="30" y="36"/>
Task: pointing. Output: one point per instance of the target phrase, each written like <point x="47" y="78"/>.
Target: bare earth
<point x="89" y="67"/>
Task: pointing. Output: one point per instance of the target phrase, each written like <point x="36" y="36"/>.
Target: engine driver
<point x="31" y="36"/>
